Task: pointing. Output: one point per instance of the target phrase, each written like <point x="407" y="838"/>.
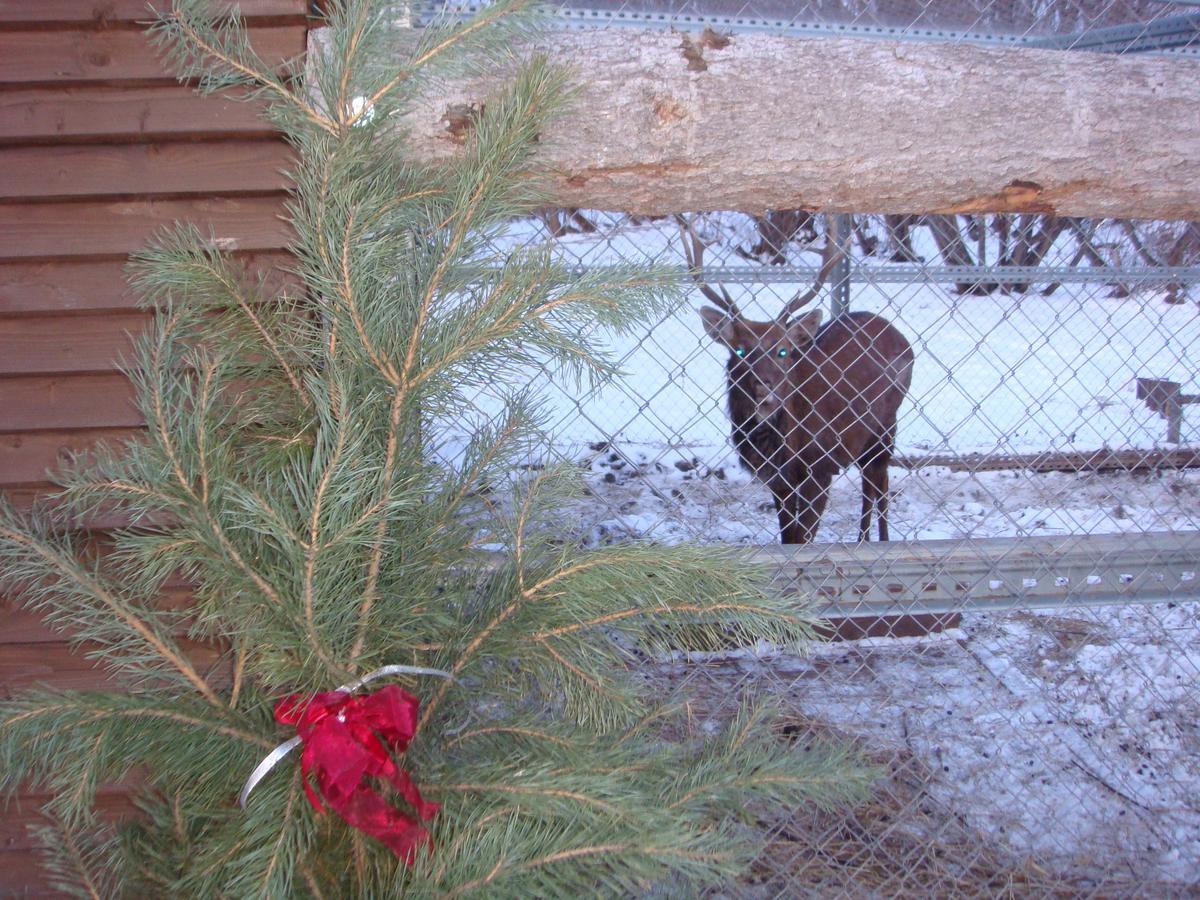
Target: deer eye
<point x="783" y="353"/>
<point x="739" y="352"/>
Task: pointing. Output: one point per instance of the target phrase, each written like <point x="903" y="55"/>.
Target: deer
<point x="807" y="400"/>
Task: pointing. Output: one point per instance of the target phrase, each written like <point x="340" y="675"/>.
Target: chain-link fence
<point x="1018" y="390"/>
<point x="1043" y="504"/>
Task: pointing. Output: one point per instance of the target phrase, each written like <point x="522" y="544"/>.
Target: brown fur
<point x="830" y="401"/>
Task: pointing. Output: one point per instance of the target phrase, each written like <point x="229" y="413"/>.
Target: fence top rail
<point x="1175" y="35"/>
<point x="907" y="273"/>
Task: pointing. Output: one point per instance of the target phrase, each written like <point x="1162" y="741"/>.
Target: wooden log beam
<point x="666" y="122"/>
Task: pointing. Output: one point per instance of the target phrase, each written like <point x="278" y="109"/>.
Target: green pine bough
<point x="290" y="473"/>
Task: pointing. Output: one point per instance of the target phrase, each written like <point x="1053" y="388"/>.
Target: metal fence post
<point x="840" y="295"/>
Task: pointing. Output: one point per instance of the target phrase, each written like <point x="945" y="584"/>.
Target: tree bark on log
<point x="667" y="122"/>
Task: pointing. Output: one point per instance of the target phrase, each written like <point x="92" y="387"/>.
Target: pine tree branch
<point x="310" y="881"/>
<point x="592" y="561"/>
<point x="75" y="868"/>
<point x="255" y="76"/>
<point x="347" y="64"/>
<point x="481" y="21"/>
<point x="312" y="548"/>
<point x="241" y="654"/>
<point x="146" y="713"/>
<point x="583" y="676"/>
<point x="468" y="478"/>
<point x="746" y="784"/>
<point x="204" y="400"/>
<point x="587" y="851"/>
<point x="449" y="255"/>
<point x="401" y="387"/>
<point x="376" y="562"/>
<point x="466" y="655"/>
<point x="360" y="855"/>
<point x="524" y="790"/>
<point x="346" y="288"/>
<point x="160" y="426"/>
<point x="464" y="658"/>
<point x="502" y="729"/>
<point x="234" y="290"/>
<point x="505" y="326"/>
<point x="276" y="858"/>
<point x="85" y="877"/>
<point x="262" y="505"/>
<point x="669" y="609"/>
<point x="470" y="834"/>
<point x="71" y="570"/>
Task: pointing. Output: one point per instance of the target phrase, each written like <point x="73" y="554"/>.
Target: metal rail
<point x="990" y="574"/>
<point x="906" y="273"/>
<point x="1176" y="35"/>
<point x="1179" y="33"/>
<point x="1102" y="460"/>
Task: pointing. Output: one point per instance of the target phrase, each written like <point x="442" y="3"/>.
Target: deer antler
<point x="693" y="251"/>
<point x="830" y="257"/>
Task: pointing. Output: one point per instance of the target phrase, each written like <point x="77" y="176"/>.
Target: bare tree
<point x="776" y="229"/>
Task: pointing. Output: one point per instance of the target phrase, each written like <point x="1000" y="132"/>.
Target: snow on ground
<point x="1071" y="735"/>
<point x="650" y="492"/>
<point x="1068" y="737"/>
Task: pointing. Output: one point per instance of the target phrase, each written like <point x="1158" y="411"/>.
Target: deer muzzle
<point x="768" y="403"/>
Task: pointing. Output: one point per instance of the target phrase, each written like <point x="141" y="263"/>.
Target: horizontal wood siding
<point x="26" y="458"/>
<point x="32" y="403"/>
<point x="107" y="56"/>
<point x="117" y="228"/>
<point x="100" y="147"/>
<point x="78" y="344"/>
<point x="110" y="12"/>
<point x="98" y="113"/>
<point x="68" y="286"/>
<point x="229" y="167"/>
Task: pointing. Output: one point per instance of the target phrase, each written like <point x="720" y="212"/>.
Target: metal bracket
<point x="1167" y="399"/>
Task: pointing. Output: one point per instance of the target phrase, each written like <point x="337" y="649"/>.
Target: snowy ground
<point x="1067" y="738"/>
<point x="647" y="491"/>
<point x="1068" y="735"/>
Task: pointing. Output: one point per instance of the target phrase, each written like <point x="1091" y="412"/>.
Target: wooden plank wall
<point x="99" y="147"/>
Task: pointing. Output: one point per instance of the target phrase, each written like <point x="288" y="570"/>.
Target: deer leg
<point x="811" y="497"/>
<point x="875" y="494"/>
<point x="883" y="461"/>
<point x="785" y="508"/>
<point x="869" y="498"/>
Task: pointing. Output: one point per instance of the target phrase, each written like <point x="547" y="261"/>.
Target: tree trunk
<point x="667" y="122"/>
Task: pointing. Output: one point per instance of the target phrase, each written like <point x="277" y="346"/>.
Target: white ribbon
<point x="273" y="758"/>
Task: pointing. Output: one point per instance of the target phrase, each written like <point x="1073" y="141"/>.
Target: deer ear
<point x="804" y="329"/>
<point x="719" y="325"/>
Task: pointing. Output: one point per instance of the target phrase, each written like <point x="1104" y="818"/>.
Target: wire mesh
<point x="1038" y="735"/>
<point x="1046" y="740"/>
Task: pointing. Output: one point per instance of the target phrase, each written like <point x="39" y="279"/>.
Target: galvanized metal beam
<point x="950" y="576"/>
<point x="1170" y="32"/>
<point x="907" y="273"/>
<point x="1173" y="34"/>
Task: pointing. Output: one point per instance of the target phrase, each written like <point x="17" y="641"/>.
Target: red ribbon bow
<point x="346" y="740"/>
